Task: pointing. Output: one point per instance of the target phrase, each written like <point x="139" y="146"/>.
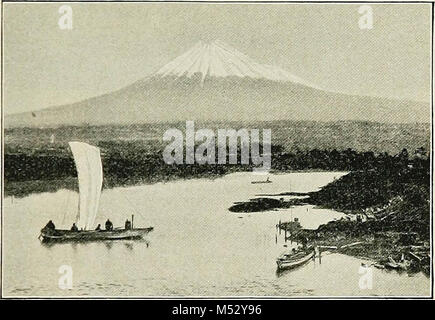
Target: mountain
<point x="216" y="82"/>
<point x="219" y="60"/>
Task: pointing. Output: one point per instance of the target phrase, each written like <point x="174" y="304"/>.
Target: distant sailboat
<point x="262" y="181"/>
<point x="90" y="175"/>
<point x="52" y="139"/>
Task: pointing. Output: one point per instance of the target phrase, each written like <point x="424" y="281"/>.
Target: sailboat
<point x="87" y="159"/>
<point x="262" y="181"/>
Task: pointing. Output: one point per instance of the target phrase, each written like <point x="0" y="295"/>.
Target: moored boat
<point x="401" y="265"/>
<point x="294" y="259"/>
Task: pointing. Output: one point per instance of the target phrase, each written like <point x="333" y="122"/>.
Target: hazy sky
<point x="114" y="44"/>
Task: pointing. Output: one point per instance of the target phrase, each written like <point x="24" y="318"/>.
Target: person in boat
<point x="49" y="228"/>
<point x="74" y="228"/>
<point x="98" y="228"/>
<point x="304" y="242"/>
<point x="50" y="225"/>
<point x="109" y="225"/>
<point x="127" y="224"/>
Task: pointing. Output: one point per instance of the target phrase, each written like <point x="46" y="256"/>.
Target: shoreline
<point x="394" y="250"/>
<point x="387" y="215"/>
<point x="14" y="188"/>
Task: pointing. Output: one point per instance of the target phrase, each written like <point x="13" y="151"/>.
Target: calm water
<point x="197" y="248"/>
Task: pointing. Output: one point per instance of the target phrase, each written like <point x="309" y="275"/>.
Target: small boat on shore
<point x="401" y="265"/>
<point x="87" y="159"/>
<point x="295" y="258"/>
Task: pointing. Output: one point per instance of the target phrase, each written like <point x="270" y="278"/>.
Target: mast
<point x="78" y="210"/>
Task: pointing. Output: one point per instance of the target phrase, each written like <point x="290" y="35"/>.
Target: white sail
<point x="90" y="174"/>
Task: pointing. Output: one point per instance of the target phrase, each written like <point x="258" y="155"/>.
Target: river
<point x="198" y="248"/>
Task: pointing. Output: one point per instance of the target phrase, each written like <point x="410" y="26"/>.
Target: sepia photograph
<point x="216" y="150"/>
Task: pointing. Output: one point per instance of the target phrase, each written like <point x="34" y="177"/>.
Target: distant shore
<point x="25" y="188"/>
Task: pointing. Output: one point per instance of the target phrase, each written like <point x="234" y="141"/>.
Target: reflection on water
<point x="197" y="247"/>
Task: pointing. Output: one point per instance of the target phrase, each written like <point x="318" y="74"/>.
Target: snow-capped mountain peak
<point x="217" y="59"/>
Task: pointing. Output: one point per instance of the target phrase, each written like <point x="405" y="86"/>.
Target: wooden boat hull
<point x="285" y="264"/>
<point x="93" y="235"/>
<point x="397" y="266"/>
<point x="258" y="182"/>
